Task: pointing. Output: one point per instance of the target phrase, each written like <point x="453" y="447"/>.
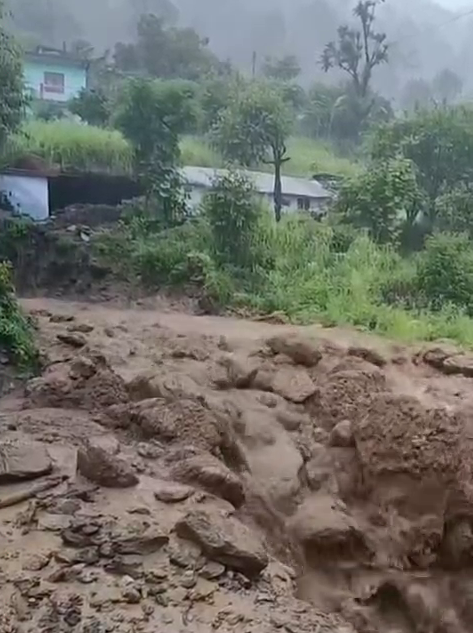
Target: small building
<point x="54" y="74"/>
<point x="27" y="191"/>
<point x="299" y="194"/>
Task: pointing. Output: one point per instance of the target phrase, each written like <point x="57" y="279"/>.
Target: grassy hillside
<point x="83" y="147"/>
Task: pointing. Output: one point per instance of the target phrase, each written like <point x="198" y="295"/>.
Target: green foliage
<point x="381" y="200"/>
<point x="254" y="128"/>
<point x="12" y="94"/>
<point x="440" y="144"/>
<point x="232" y="215"/>
<point x="454" y="210"/>
<point x="165" y="52"/>
<point x="152" y="114"/>
<point x="74" y="146"/>
<point x="92" y="106"/>
<point x="16" y="332"/>
<point x="445" y="272"/>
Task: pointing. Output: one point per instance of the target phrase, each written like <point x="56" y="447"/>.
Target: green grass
<point x="308" y="157"/>
<point x="73" y="146"/>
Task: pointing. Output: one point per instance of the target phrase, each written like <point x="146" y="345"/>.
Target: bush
<point x="445" y="271"/>
<point x="16" y="332"/>
<point x="233" y="215"/>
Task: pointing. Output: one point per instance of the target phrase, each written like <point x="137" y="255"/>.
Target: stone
<point x="300" y="350"/>
<point x="73" y="340"/>
<point x="224" y="539"/>
<point x="21" y="461"/>
<point x="212" y="475"/>
<point x="101" y="466"/>
<point x="326" y="530"/>
<point x="241" y="370"/>
<point x="212" y="570"/>
<point x="342" y="435"/>
<point x="294" y="384"/>
<point x="82" y="328"/>
<point x="367" y="354"/>
<point x="170" y="492"/>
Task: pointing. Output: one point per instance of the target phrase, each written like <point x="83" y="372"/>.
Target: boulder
<point x="224" y="540"/>
<point x="211" y="475"/>
<point x="170" y="492"/>
<point x="300" y="350"/>
<point x="342" y="435"/>
<point x="367" y="354"/>
<point x="100" y="464"/>
<point x="73" y="340"/>
<point x="294" y="384"/>
<point x="22" y="461"/>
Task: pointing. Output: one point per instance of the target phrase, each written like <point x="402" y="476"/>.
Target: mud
<point x="181" y="473"/>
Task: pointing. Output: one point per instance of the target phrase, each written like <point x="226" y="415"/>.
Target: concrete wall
<point x="28" y="195"/>
<point x="74" y="79"/>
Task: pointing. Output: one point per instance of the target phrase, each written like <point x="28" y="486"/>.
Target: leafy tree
<point x="447" y="86"/>
<point x="381" y="200"/>
<point x="357" y="52"/>
<point x="92" y="106"/>
<point x="152" y="114"/>
<point x="12" y="100"/>
<point x="233" y="215"/>
<point x="254" y="128"/>
<point x="440" y="145"/>
<point x="285" y="68"/>
<point x="164" y="52"/>
<point x="454" y="210"/>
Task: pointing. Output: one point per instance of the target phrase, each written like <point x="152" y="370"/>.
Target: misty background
<point x="426" y="37"/>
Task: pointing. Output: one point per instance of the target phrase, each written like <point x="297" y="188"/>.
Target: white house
<point x="27" y="191"/>
<point x="299" y="194"/>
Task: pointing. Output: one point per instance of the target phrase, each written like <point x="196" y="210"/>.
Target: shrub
<point x="233" y="215"/>
<point x="445" y="271"/>
<point x="16" y="332"/>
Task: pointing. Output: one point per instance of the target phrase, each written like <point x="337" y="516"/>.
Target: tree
<point x="285" y="68"/>
<point x="382" y="200"/>
<point x="447" y="86"/>
<point x="165" y="52"/>
<point x="12" y="99"/>
<point x="439" y="143"/>
<point x="92" y="106"/>
<point x="152" y="115"/>
<point x="358" y="52"/>
<point x="254" y="129"/>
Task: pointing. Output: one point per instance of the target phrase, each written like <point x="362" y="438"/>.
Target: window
<point x="303" y="204"/>
<point x="286" y="202"/>
<point x="53" y="82"/>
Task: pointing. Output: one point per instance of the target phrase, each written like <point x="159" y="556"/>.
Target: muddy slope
<point x="176" y="473"/>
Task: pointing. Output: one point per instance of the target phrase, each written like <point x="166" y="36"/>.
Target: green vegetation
<point x="16" y="332"/>
<point x="73" y="146"/>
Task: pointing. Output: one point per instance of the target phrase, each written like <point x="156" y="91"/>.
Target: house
<point x="27" y="191"/>
<point x="54" y="74"/>
<point x="299" y="194"/>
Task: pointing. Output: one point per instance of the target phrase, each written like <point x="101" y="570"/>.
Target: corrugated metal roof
<point x="263" y="183"/>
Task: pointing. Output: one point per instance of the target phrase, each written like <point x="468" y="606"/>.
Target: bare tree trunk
<point x="277" y="188"/>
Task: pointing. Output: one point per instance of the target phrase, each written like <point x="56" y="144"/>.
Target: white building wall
<point x="27" y="194"/>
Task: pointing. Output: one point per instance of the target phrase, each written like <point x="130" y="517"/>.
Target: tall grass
<point x="73" y="146"/>
<point x="308" y="157"/>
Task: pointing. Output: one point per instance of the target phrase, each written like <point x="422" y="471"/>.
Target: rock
<point x="320" y="470"/>
<point x="301" y="350"/>
<point x="103" y="467"/>
<point x="291" y="420"/>
<point x="459" y="364"/>
<point x="225" y="540"/>
<point x="170" y="492"/>
<point x="326" y="531"/>
<point x="22" y="461"/>
<point x="73" y="340"/>
<point x="294" y="384"/>
<point x="83" y="328"/>
<point x="342" y="435"/>
<point x="212" y="570"/>
<point x="61" y="318"/>
<point x="369" y="355"/>
<point x="212" y="475"/>
<point x="241" y="371"/>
